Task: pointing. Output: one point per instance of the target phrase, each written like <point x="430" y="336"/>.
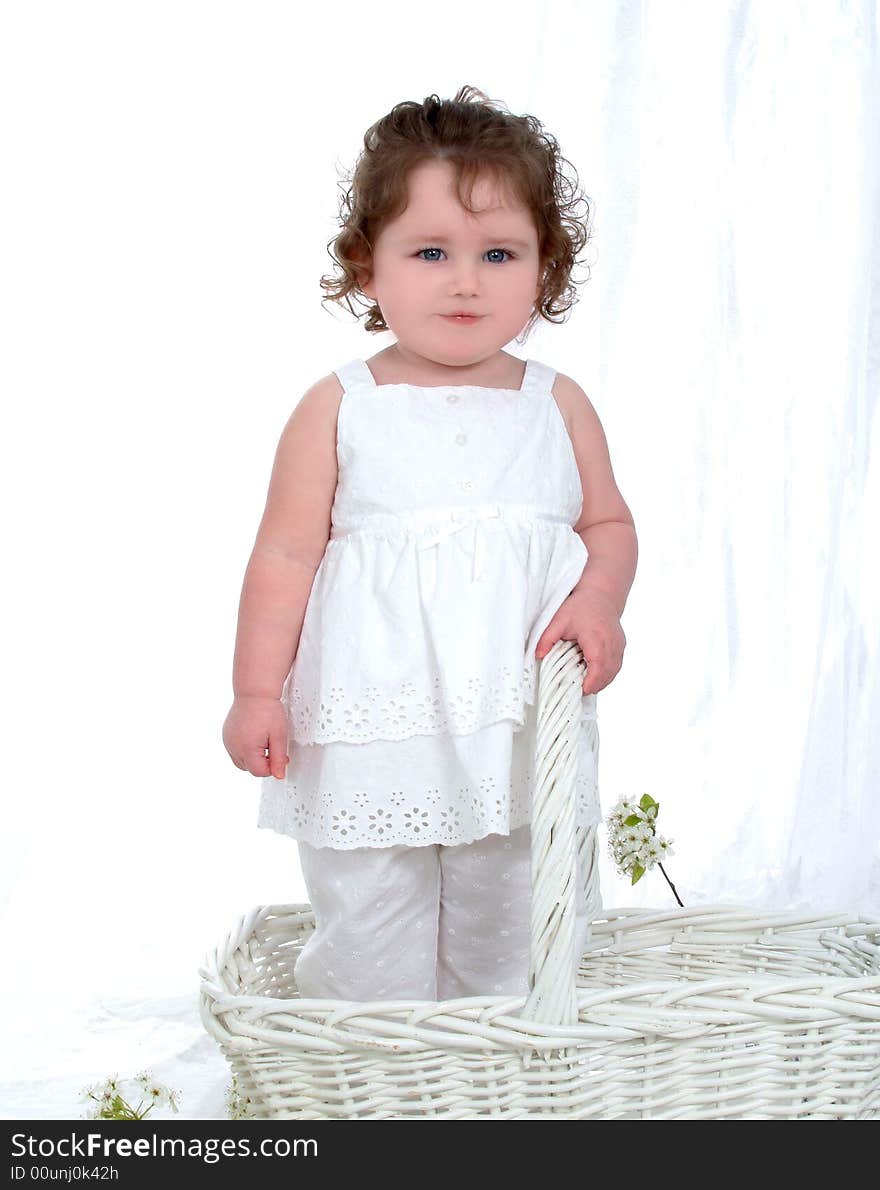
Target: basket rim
<point x="632" y="917"/>
<point x="605" y="915"/>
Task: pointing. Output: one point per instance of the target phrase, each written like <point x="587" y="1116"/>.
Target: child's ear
<point x="364" y="275"/>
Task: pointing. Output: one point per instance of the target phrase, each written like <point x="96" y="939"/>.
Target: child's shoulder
<point x="326" y="389"/>
<point x="320" y="401"/>
<point x="569" y="397"/>
<point x="316" y="412"/>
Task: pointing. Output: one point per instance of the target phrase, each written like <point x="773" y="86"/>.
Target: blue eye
<point x="505" y="250"/>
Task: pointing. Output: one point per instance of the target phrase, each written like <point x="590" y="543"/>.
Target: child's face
<point x="415" y="288"/>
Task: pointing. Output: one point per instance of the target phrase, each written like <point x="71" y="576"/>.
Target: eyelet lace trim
<point x="415" y="815"/>
<point x="412" y="710"/>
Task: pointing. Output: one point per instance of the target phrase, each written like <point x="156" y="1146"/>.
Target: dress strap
<point x="538" y="379"/>
<point x="355" y="374"/>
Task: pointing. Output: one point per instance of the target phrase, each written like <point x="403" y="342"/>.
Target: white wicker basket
<point x="709" y="1013"/>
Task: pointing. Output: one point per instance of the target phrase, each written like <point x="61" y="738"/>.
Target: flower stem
<point x="671" y="885"/>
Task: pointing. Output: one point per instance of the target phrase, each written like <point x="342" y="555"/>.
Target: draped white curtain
<point x="738" y="352"/>
<point x="173" y="186"/>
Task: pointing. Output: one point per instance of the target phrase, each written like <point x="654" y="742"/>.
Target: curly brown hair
<point x="478" y="138"/>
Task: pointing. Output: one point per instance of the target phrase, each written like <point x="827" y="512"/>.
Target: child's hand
<point x="589" y="617"/>
<point x="253" y="725"/>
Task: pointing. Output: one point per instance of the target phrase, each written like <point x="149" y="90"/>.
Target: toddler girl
<point x="438" y="516"/>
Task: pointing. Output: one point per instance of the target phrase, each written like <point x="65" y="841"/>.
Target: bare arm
<point x="606" y="524"/>
<point x="289" y="546"/>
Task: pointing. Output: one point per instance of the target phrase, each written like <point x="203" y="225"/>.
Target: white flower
<point x="116" y="1100"/>
<point x="636" y="844"/>
<point x="647" y="857"/>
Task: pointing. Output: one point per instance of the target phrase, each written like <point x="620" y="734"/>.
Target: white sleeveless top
<point x="411" y="697"/>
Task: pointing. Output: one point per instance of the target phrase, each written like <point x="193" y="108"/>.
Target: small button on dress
<point x="411" y="701"/>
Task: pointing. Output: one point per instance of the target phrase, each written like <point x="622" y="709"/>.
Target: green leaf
<point x="633" y="820"/>
<point x="637" y="873"/>
<point x="646" y="801"/>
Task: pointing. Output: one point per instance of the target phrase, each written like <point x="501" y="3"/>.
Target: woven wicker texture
<point x="708" y="1013"/>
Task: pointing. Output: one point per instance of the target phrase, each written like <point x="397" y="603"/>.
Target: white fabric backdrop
<point x="175" y="186"/>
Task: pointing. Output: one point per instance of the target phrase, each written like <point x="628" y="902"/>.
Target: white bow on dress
<point x="464" y="521"/>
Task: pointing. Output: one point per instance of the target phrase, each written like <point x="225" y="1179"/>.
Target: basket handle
<point x="552" y="967"/>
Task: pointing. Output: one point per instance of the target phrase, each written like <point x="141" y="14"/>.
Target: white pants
<point x="422" y="923"/>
